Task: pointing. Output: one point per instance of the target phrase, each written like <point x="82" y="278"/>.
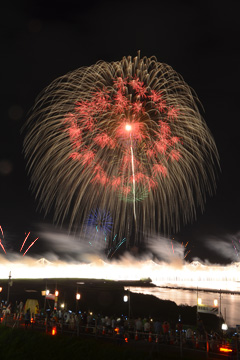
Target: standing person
<point x="89" y="319"/>
<point x="189" y="336"/>
<point x="147" y="327"/>
<point x="139" y="325"/>
<point x="113" y="323"/>
<point x="201" y="329"/>
<point x="20" y="309"/>
<point x="72" y="322"/>
<point x="27" y="318"/>
<point x="9" y="309"/>
<point x="157" y="327"/>
<point x="15" y="310"/>
<point x="165" y="331"/>
<point x="179" y="328"/>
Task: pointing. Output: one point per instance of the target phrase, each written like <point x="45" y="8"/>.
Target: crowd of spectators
<point x="147" y="329"/>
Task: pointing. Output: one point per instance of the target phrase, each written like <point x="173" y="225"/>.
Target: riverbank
<point x="105" y="298"/>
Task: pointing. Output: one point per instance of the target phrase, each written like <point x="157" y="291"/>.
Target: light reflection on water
<point x="230" y="303"/>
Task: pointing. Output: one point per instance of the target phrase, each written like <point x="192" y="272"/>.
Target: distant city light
<point x="224" y="327"/>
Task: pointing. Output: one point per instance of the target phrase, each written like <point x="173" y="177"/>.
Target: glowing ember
<point x="30" y="246"/>
<point x="24" y="241"/>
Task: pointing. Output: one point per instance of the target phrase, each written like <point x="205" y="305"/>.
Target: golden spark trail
<point x="81" y="156"/>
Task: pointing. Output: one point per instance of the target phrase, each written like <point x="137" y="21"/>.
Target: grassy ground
<point x="26" y="344"/>
<point x="22" y="344"/>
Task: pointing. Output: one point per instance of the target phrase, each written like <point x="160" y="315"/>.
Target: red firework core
<point x="116" y="120"/>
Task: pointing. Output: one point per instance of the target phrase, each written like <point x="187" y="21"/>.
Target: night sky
<point x="42" y="40"/>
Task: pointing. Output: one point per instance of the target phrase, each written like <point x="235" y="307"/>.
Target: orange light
<point x="54" y="330"/>
<point x="223" y="349"/>
<point x="56" y="293"/>
<point x="0" y="289"/>
<point x="32" y="320"/>
<point x="128" y="127"/>
<point x="126" y="339"/>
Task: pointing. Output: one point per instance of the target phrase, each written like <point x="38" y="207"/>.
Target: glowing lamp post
<point x="126" y="298"/>
<point x="46" y="293"/>
<point x="56" y="299"/>
<point x="199" y="301"/>
<point x="215" y="302"/>
<point x="78" y="297"/>
<point x="224" y="327"/>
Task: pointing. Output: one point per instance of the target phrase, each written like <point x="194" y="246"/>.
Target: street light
<point x="224" y="327"/>
<point x="199" y="300"/>
<point x="78" y="297"/>
<point x="126" y="298"/>
<point x="56" y="299"/>
<point x="46" y="294"/>
<point x="215" y="302"/>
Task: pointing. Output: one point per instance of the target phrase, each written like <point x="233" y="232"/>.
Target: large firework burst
<point x="126" y="137"/>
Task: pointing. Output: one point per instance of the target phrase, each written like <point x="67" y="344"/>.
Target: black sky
<point x="42" y="40"/>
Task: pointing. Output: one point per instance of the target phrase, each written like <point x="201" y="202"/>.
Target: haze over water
<point x="74" y="259"/>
